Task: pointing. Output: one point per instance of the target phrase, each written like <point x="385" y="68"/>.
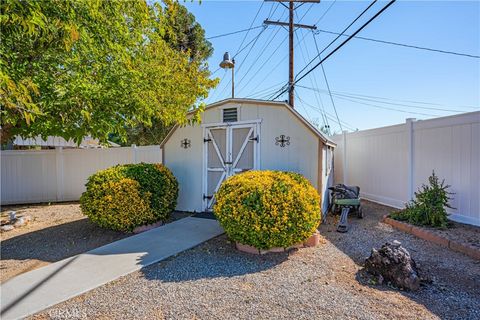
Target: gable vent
<point x="230" y="115"/>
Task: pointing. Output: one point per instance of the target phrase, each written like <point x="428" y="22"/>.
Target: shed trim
<point x="264" y="102"/>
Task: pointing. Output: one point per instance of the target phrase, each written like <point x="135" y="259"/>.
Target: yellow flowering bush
<point x="267" y="209"/>
<point x="127" y="196"/>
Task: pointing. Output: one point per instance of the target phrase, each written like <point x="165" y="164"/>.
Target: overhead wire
<point x="353" y="96"/>
<point x="233" y="32"/>
<point x="301" y="40"/>
<point x="343" y="43"/>
<point x="313" y="79"/>
<point x="262" y="51"/>
<point x="281" y="43"/>
<point x="253" y="42"/>
<point x="260" y="26"/>
<point x="404" y="45"/>
<point x="387" y="108"/>
<point x="257" y="59"/>
<point x="251" y="24"/>
<point x="344" y="30"/>
<point x="264" y="90"/>
<point x="330" y="116"/>
<point x="401" y="100"/>
<point x="326" y="82"/>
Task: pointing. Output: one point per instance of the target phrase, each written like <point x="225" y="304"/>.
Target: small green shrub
<point x="428" y="207"/>
<point x="126" y="196"/>
<point x="267" y="209"/>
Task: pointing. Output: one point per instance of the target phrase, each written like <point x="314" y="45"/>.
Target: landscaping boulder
<point x="393" y="263"/>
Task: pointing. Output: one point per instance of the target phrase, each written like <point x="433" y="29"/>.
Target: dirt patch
<point x="55" y="232"/>
<point x="460" y="233"/>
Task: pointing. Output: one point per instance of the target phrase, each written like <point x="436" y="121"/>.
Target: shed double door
<point x="229" y="149"/>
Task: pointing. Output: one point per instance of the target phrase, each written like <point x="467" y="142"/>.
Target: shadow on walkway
<point x="58" y="242"/>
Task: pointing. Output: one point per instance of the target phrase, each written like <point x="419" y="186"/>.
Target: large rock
<point x="393" y="263"/>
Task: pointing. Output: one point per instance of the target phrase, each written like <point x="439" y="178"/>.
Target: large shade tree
<point x="72" y="68"/>
<point x="184" y="34"/>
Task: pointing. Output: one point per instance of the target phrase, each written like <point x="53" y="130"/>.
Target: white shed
<point x="237" y="135"/>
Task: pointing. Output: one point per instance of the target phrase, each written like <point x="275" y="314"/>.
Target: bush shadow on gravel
<point x="449" y="279"/>
<point x="58" y="242"/>
<point x="216" y="258"/>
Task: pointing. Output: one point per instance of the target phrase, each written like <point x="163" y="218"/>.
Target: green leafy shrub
<point x="428" y="207"/>
<point x="267" y="209"/>
<point x="127" y="196"/>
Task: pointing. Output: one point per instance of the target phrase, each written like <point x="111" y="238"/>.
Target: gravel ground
<point x="214" y="281"/>
<point x="56" y="232"/>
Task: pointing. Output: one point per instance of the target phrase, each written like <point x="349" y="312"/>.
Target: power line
<point x="254" y="41"/>
<point x="239" y="51"/>
<point x="399" y="104"/>
<point x="309" y="118"/>
<point x="233" y="32"/>
<point x="404" y="45"/>
<point x="332" y="117"/>
<point x="251" y="24"/>
<point x="380" y="107"/>
<point x="344" y="42"/>
<point x="258" y="57"/>
<point x="262" y="51"/>
<point x="216" y="88"/>
<point x="344" y="30"/>
<point x="387" y="108"/>
<point x="271" y="14"/>
<point x="313" y="78"/>
<point x="264" y="90"/>
<point x="326" y="11"/>
<point x="317" y="22"/>
<point x="400" y="100"/>
<point x="297" y="44"/>
<point x="361" y="97"/>
<point x="328" y="85"/>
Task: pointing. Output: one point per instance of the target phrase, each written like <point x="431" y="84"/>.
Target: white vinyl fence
<point x="391" y="163"/>
<point x="33" y="176"/>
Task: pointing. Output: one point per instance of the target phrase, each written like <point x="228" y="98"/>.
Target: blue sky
<point x="374" y="84"/>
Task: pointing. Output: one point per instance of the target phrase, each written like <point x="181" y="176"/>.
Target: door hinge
<point x="254" y="139"/>
<point x="227" y="162"/>
<point x="207" y="197"/>
<point x="206" y="140"/>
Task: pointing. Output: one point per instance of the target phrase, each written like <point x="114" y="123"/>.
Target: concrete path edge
<point x="42" y="288"/>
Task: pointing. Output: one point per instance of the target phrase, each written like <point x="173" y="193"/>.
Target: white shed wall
<point x="300" y="156"/>
<point x="186" y="166"/>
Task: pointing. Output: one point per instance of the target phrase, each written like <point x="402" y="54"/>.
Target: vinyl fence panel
<point x="390" y="163"/>
<point x="60" y="175"/>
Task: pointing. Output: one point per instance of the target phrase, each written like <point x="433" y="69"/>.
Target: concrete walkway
<point x="39" y="289"/>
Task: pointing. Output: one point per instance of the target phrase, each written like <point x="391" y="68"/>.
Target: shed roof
<point x="305" y="122"/>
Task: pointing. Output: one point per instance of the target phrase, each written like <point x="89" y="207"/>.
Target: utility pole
<point x="291" y="34"/>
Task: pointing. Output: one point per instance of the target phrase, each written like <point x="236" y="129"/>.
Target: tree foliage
<point x="185" y="35"/>
<point x="72" y="68"/>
